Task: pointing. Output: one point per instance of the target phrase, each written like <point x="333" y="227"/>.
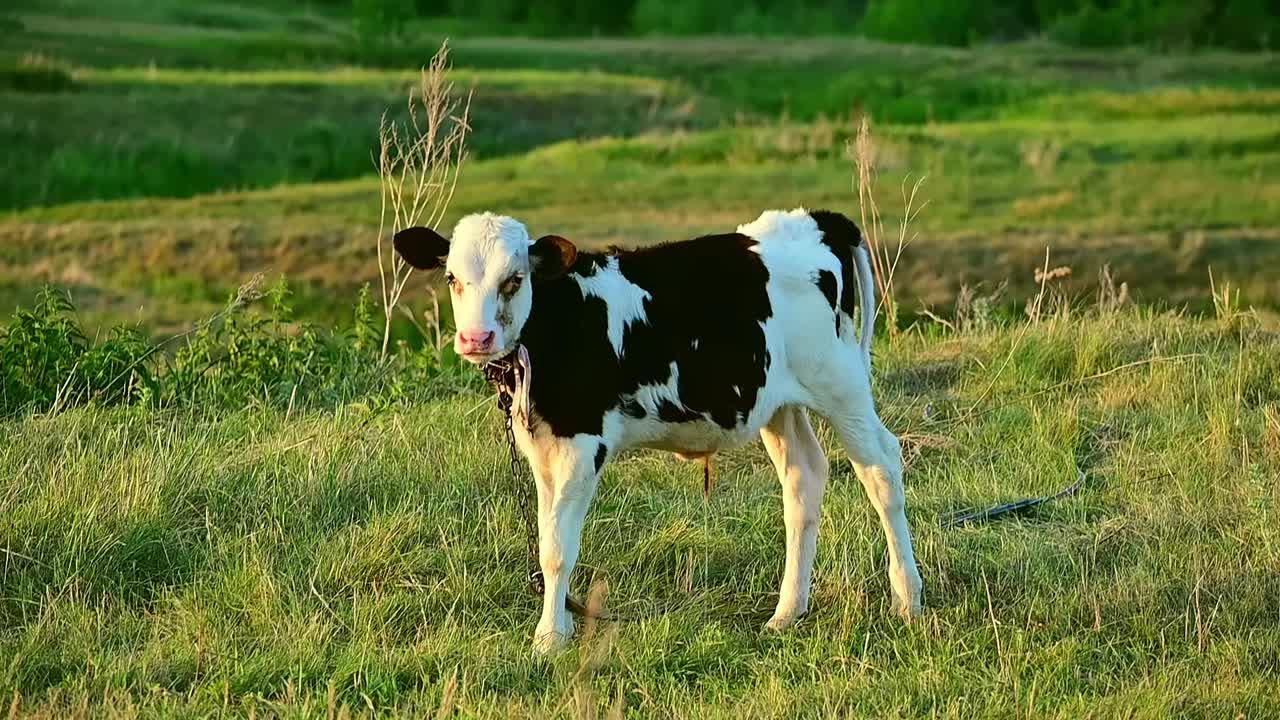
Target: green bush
<point x="1164" y="24"/>
<point x="496" y="11"/>
<point x="38" y="353"/>
<point x="958" y="22"/>
<point x="658" y="16"/>
<point x="378" y="21"/>
<point x="1090" y="27"/>
<point x="35" y="78"/>
<point x="47" y="363"/>
<point x="588" y="16"/>
<point x="754" y="17"/>
<point x="241" y="357"/>
<point x="1247" y="25"/>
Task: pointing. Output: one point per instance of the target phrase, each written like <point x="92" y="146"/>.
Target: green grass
<point x="234" y="552"/>
<point x="181" y="562"/>
<point x="1162" y="202"/>
<point x="533" y="82"/>
<point x="175" y="133"/>
<point x="160" y="103"/>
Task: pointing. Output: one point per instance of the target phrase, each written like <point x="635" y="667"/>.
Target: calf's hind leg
<point x="802" y="469"/>
<point x="877" y="461"/>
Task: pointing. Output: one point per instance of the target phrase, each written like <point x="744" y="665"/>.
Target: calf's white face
<point x="491" y="268"/>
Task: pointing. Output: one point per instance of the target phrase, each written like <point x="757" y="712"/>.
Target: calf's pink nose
<point x="475" y="341"/>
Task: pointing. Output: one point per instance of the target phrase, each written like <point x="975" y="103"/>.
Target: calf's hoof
<point x="909" y="608"/>
<point x="908" y="611"/>
<point x="551" y="640"/>
<point x="783" y="620"/>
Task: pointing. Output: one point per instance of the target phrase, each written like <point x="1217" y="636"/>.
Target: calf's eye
<point x="511" y="285"/>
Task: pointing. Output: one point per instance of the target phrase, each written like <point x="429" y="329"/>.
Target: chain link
<point x="520" y="491"/>
<point x="503" y="374"/>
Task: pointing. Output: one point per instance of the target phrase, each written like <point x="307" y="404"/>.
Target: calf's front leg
<point x="566" y="473"/>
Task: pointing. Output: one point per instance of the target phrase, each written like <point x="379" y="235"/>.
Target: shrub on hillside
<point x="242" y="356"/>
<point x="754" y="17"/>
<point x="35" y="78"/>
<point x="1247" y="25"/>
<point x="1242" y="24"/>
<point x="659" y="16"/>
<point x="38" y="353"/>
<point x="46" y="362"/>
<point x="1162" y="24"/>
<point x="951" y="23"/>
<point x="1167" y="25"/>
<point x="586" y="16"/>
<point x="1090" y="27"/>
<point x="378" y="21"/>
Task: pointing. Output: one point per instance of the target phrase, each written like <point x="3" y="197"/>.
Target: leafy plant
<point x="39" y="352"/>
<point x="117" y="370"/>
<point x="242" y="356"/>
<point x="47" y="363"/>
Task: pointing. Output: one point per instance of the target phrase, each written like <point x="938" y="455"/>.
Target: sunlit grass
<point x="306" y="563"/>
<point x="1169" y="103"/>
<point x="537" y="82"/>
<point x="185" y="561"/>
<point x="1159" y="203"/>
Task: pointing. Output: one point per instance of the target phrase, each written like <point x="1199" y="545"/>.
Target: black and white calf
<point x="692" y="347"/>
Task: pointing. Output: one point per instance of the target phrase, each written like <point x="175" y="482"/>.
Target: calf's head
<point x="492" y="269"/>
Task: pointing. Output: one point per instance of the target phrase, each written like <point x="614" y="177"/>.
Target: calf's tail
<point x="867" y="296"/>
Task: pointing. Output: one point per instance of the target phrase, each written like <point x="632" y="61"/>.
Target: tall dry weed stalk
<point x="1226" y="302"/>
<point x="419" y="162"/>
<point x="1111" y="296"/>
<point x="1051" y="299"/>
<point x="884" y="259"/>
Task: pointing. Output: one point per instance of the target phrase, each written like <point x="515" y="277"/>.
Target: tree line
<point x="1157" y="24"/>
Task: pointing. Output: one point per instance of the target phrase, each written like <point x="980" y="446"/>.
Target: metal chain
<point x="504" y="375"/>
<point x="520" y="490"/>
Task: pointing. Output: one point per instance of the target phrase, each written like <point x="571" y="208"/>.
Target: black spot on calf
<point x="841" y="236"/>
<point x="576" y="371"/>
<point x="601" y="453"/>
<point x="672" y="413"/>
<point x="705" y="313"/>
<point x="633" y="409"/>
<point x="707" y="304"/>
<point x="827" y="284"/>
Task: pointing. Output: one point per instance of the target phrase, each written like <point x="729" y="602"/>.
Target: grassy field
<point x="1000" y="193"/>
<point x="251" y="534"/>
<point x="206" y="562"/>
<point x="208" y="137"/>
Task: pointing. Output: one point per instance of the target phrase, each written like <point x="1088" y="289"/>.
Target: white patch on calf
<point x="485" y="250"/>
<point x="790" y="244"/>
<point x="651" y="397"/>
<point x="624" y="299"/>
<point x="786" y="226"/>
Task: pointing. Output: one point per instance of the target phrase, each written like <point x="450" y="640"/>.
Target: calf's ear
<point x="551" y="256"/>
<point x="421" y="247"/>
